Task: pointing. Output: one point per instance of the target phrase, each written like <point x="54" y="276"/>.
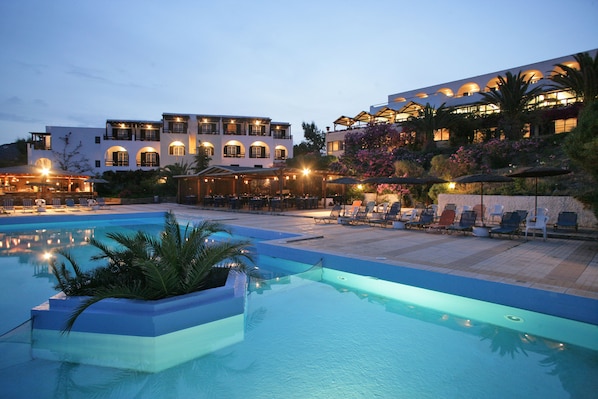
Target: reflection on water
<point x="306" y="336"/>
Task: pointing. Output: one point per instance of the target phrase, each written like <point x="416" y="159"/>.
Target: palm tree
<point x="428" y="120"/>
<point x="582" y="82"/>
<point x="514" y="98"/>
<point x="146" y="267"/>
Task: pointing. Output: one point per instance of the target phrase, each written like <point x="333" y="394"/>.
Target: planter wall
<point x="142" y="335"/>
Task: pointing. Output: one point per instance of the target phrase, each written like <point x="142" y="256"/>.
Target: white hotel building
<point x="124" y="145"/>
<point x="464" y="96"/>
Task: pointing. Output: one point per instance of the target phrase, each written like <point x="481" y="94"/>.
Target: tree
<point x="143" y="266"/>
<point x="582" y="82"/>
<point x="167" y="173"/>
<point x="428" y="120"/>
<point x="315" y="140"/>
<point x="581" y="146"/>
<point x="201" y="159"/>
<point x="514" y="98"/>
<point x="70" y="158"/>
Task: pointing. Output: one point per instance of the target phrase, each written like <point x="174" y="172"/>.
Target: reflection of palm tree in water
<point x="571" y="364"/>
<point x="504" y="341"/>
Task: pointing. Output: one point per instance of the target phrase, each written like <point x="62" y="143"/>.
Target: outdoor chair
<point x="509" y="224"/>
<point x="57" y="205"/>
<point x="566" y="219"/>
<point x="447" y="218"/>
<point x="69" y="203"/>
<point x="102" y="203"/>
<point x="426" y="218"/>
<point x="335" y="213"/>
<point x="27" y="205"/>
<point x="8" y="206"/>
<point x="465" y="224"/>
<point x="539" y="223"/>
<point x="496" y="212"/>
<point x="392" y="215"/>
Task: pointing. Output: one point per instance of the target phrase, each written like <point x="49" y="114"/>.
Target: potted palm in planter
<point x="158" y="301"/>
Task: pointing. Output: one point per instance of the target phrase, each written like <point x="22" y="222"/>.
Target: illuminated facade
<point x="462" y="95"/>
<point x="137" y="144"/>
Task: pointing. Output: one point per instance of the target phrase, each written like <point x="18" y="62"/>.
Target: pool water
<point x="313" y="332"/>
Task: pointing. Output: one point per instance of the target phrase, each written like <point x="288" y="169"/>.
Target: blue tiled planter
<point x="142" y="335"/>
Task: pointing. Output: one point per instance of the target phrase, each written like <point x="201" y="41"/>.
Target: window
<point x="149" y="135"/>
<point x="257" y="130"/>
<point x="207" y="150"/>
<point x="123" y="134"/>
<point x="564" y="125"/>
<point x="179" y="127"/>
<point x="232" y="128"/>
<point x="279" y="133"/>
<point x="257" y="152"/>
<point x="232" y="151"/>
<point x="149" y="159"/>
<point x="208" y="128"/>
<point x="176" y="150"/>
<point x="98" y="164"/>
<point x="119" y="158"/>
<point x="97" y="139"/>
<point x="280" y="154"/>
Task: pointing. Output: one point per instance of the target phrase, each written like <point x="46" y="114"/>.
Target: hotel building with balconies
<point x="463" y="96"/>
<point x="143" y="144"/>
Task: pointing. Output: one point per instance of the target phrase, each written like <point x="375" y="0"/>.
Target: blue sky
<point x="78" y="63"/>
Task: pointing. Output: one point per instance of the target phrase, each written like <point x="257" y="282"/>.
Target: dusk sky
<point x="78" y="63"/>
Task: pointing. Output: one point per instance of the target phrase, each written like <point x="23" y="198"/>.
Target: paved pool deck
<point x="562" y="265"/>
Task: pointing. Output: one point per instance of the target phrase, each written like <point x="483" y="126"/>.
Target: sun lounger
<point x="447" y="218"/>
<point x="392" y="215"/>
<point x="465" y="224"/>
<point x="509" y="224"/>
<point x="566" y="219"/>
<point x="335" y="213"/>
<point x="425" y="219"/>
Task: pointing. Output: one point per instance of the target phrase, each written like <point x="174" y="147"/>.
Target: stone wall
<point x="555" y="204"/>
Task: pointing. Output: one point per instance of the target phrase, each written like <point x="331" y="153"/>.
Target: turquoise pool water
<point x="311" y="332"/>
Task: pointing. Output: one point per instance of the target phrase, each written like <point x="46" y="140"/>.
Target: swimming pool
<point x="312" y="332"/>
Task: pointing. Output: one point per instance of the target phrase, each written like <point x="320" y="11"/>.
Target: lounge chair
<point x="359" y="215"/>
<point x="447" y="218"/>
<point x="8" y="206"/>
<point x="509" y="224"/>
<point x="425" y="218"/>
<point x="57" y="205"/>
<point x="392" y="215"/>
<point x="335" y="213"/>
<point x="102" y="203"/>
<point x="465" y="224"/>
<point x="69" y="203"/>
<point x="539" y="223"/>
<point x="28" y="205"/>
<point x="566" y="219"/>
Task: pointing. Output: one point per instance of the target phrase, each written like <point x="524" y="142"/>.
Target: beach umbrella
<point x="536" y="172"/>
<point x="482" y="178"/>
<point x="345" y="181"/>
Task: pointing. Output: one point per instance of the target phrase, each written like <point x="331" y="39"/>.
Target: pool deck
<point x="564" y="264"/>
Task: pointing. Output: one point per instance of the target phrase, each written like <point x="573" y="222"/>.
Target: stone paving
<point x="558" y="264"/>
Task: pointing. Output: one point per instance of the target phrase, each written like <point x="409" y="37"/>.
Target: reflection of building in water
<point x="31" y="247"/>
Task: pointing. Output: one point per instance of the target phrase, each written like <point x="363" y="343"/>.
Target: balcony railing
<point x="117" y="163"/>
<point x="282" y="136"/>
<point x="240" y="155"/>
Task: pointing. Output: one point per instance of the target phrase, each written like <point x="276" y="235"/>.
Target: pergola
<point x="24" y="179"/>
<point x="236" y="181"/>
